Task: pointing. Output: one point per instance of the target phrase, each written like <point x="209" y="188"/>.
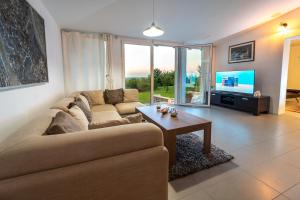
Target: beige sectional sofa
<point x="122" y="162"/>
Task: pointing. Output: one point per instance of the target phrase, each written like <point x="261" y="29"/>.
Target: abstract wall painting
<point x="23" y="57"/>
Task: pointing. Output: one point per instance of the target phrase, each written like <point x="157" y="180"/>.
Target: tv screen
<point x="236" y="81"/>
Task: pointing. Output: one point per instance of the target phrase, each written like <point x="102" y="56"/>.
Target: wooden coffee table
<point x="182" y="124"/>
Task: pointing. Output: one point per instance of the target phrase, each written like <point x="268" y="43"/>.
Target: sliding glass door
<point x="163" y="75"/>
<point x="194" y="75"/>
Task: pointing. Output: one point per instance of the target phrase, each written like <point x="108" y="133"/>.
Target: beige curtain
<point x="85" y="61"/>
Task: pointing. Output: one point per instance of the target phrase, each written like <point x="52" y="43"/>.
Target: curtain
<point x="85" y="61"/>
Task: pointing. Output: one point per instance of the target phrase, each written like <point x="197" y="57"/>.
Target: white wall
<point x="268" y="54"/>
<point x="19" y="106"/>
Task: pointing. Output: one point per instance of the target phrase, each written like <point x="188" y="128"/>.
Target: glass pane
<point x="137" y="70"/>
<point x="195" y="75"/>
<point x="164" y="74"/>
<point x="192" y="82"/>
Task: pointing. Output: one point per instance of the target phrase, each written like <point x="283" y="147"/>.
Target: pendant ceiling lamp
<point x="153" y="30"/>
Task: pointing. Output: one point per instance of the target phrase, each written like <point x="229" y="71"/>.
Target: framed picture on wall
<point x="23" y="57"/>
<point x="244" y="52"/>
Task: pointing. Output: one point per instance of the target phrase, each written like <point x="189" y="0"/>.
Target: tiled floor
<point x="267" y="158"/>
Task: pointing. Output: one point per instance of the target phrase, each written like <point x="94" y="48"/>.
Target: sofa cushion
<point x="131" y="95"/>
<point x="62" y="123"/>
<point x="63" y="104"/>
<point x="134" y="118"/>
<point x="99" y="117"/>
<point x="109" y="123"/>
<point x="78" y="102"/>
<point x="113" y="96"/>
<point x="78" y="114"/>
<point x="128" y="108"/>
<point x="95" y="96"/>
<point x="105" y="107"/>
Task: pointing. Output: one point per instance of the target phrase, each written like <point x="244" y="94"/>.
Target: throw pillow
<point x="88" y="98"/>
<point x="78" y="102"/>
<point x="135" y="118"/>
<point x="62" y="123"/>
<point x="114" y="96"/>
<point x="96" y="97"/>
<point x="78" y="114"/>
<point x="85" y="101"/>
<point x="131" y="95"/>
<point x="109" y="123"/>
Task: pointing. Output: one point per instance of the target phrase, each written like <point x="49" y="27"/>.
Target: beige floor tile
<point x="293" y="193"/>
<point x="253" y="155"/>
<point x="199" y="195"/>
<point x="292" y="157"/>
<point x="281" y="197"/>
<point x="277" y="174"/>
<point x="241" y="186"/>
<point x="215" y="174"/>
<point x="182" y="187"/>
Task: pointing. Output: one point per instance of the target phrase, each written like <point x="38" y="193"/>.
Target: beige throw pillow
<point x="131" y="95"/>
<point x="78" y="102"/>
<point x="96" y="97"/>
<point x="109" y="123"/>
<point x="78" y="114"/>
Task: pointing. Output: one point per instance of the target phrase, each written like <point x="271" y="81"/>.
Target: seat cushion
<point x="127" y="108"/>
<point x="105" y="107"/>
<point x="104" y="116"/>
<point x="109" y="123"/>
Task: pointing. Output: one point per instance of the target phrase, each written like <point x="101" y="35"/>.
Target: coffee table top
<point x="183" y="123"/>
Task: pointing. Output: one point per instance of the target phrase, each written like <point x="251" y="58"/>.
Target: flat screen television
<point x="236" y="81"/>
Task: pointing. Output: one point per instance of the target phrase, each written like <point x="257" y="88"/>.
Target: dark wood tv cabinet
<point x="243" y="102"/>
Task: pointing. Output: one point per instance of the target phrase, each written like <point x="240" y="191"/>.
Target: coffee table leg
<point x="170" y="143"/>
<point x="207" y="139"/>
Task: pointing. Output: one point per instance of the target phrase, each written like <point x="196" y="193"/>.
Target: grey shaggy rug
<point x="190" y="158"/>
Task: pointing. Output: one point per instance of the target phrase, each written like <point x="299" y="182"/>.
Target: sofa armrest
<point x="39" y="153"/>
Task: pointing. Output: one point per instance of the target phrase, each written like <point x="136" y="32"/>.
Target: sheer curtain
<point x="85" y="61"/>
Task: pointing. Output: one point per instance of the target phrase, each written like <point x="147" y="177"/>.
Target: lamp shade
<point x="153" y="31"/>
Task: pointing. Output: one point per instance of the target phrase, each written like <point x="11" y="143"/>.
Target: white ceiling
<point x="190" y="21"/>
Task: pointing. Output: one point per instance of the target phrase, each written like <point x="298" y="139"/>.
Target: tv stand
<point x="243" y="102"/>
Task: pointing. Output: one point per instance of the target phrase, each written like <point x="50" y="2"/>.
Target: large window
<point x="151" y="69"/>
<point x="137" y="70"/>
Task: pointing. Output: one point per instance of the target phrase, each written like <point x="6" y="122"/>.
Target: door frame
<point x="284" y="73"/>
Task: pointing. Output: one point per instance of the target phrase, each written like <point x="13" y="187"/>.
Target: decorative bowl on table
<point x="164" y="110"/>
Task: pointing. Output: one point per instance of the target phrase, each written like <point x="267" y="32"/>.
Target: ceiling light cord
<point x="153" y="12"/>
